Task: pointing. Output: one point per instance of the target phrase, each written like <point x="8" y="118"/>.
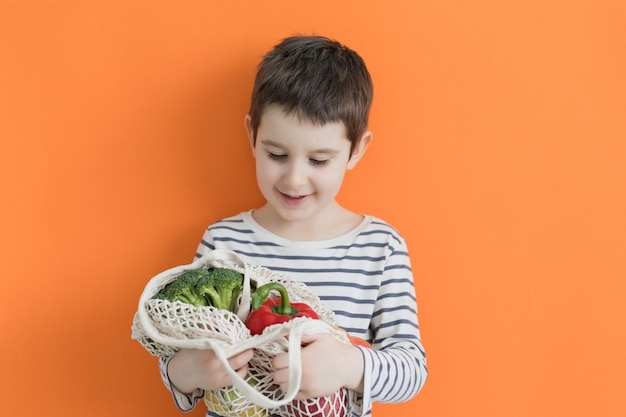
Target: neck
<point x="333" y="222"/>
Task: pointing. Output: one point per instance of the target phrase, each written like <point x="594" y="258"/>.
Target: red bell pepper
<point x="266" y="312"/>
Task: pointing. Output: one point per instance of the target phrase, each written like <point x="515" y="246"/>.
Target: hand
<point x="191" y="369"/>
<point x="327" y="365"/>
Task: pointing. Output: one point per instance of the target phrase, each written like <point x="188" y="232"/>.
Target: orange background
<point x="499" y="152"/>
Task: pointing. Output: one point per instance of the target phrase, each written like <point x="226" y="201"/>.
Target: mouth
<point x="294" y="197"/>
<point x="294" y="200"/>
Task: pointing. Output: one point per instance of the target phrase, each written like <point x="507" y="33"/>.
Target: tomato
<point x="356" y="341"/>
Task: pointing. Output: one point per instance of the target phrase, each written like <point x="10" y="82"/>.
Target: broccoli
<point x="217" y="287"/>
<point x="184" y="289"/>
<point x="221" y="288"/>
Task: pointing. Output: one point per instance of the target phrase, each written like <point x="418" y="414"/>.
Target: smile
<point x="294" y="200"/>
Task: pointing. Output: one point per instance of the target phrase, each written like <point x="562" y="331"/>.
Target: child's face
<point x="300" y="165"/>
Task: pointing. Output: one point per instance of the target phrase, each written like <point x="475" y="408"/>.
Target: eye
<point x="319" y="162"/>
<point x="276" y="156"/>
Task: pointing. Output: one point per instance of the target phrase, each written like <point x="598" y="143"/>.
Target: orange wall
<point x="500" y="153"/>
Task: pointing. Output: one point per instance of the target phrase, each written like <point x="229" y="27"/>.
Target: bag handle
<point x="294" y="330"/>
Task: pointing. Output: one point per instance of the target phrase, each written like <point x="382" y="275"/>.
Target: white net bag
<point x="163" y="327"/>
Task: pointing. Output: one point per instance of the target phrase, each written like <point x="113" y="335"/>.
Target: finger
<point x="243" y="371"/>
<point x="307" y="339"/>
<point x="281" y="377"/>
<point x="240" y="359"/>
<point x="281" y="361"/>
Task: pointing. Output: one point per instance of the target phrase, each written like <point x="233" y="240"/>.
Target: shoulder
<point x="235" y="233"/>
<point x="241" y="222"/>
<point x="238" y="229"/>
<point x="233" y="227"/>
<point x="377" y="228"/>
<point x="236" y="223"/>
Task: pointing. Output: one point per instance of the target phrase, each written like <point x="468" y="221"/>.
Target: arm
<point x="184" y="402"/>
<point x="395" y="370"/>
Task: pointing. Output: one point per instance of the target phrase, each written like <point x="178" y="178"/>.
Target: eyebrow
<point x="331" y="151"/>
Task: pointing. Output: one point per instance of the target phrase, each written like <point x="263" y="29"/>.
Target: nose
<point x="295" y="176"/>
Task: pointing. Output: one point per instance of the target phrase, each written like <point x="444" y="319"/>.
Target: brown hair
<point x="315" y="78"/>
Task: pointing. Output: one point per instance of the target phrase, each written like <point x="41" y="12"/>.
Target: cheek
<point x="266" y="173"/>
<point x="330" y="180"/>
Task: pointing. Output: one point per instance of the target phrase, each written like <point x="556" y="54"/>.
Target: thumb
<point x="307" y="339"/>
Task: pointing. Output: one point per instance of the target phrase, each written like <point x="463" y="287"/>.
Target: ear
<point x="247" y="123"/>
<point x="359" y="149"/>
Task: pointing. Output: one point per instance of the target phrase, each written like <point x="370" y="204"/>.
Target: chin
<point x="290" y="214"/>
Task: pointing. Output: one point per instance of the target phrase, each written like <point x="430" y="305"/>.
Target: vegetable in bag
<point x="267" y="312"/>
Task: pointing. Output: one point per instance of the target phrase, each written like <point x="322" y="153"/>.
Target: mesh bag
<point x="163" y="327"/>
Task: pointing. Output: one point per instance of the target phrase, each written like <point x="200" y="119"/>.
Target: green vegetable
<point x="221" y="288"/>
<point x="184" y="289"/>
<point x="217" y="287"/>
<point x="229" y="401"/>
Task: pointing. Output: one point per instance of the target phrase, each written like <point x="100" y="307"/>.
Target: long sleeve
<point x="184" y="402"/>
<point x="395" y="370"/>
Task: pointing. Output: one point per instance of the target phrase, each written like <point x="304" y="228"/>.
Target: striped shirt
<point x="364" y="276"/>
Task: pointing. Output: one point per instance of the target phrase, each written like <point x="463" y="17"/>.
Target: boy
<point x="307" y="126"/>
